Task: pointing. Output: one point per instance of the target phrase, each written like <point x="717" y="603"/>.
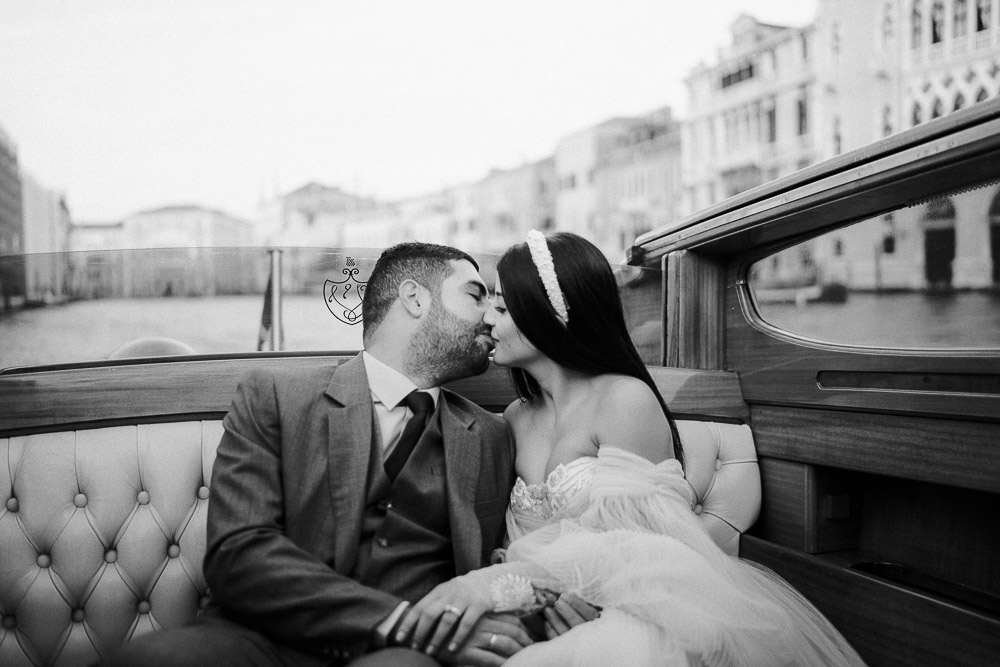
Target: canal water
<point x="95" y="329"/>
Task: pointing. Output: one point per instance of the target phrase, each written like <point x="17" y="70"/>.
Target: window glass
<point x="926" y="276"/>
<point x="88" y="306"/>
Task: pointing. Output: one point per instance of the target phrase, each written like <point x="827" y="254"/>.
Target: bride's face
<point x="511" y="347"/>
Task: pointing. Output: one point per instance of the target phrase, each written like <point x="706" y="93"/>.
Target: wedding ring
<point x="493" y="640"/>
<point x="452" y="609"/>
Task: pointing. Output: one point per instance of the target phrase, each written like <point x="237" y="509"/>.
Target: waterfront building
<point x="864" y="70"/>
<point x="638" y="182"/>
<point x="750" y="116"/>
<point x="46" y="221"/>
<point x="11" y="229"/>
<point x="312" y="215"/>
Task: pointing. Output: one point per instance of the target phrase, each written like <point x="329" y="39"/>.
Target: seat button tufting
<point x="12" y="504"/>
<point x="44" y="560"/>
<point x="144" y="607"/>
<point x="697" y="509"/>
<point x="78" y="616"/>
<point x="9" y="622"/>
<point x="80" y="500"/>
<point x="173" y="551"/>
<point x="203" y="493"/>
<point x="110" y="556"/>
<point x="143" y="497"/>
<point x="718" y="464"/>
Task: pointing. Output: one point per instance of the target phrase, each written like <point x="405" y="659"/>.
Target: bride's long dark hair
<point x="596" y="339"/>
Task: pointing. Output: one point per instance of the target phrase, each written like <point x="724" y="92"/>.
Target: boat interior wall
<point x="694" y="323"/>
<point x="107" y="478"/>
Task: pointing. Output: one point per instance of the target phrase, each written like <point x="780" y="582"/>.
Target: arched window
<point x="837" y="140"/>
<point x="886" y="120"/>
<point x="938" y="110"/>
<point x="982" y="15"/>
<point x="916" y="24"/>
<point x="918" y="115"/>
<point x="887" y="23"/>
<point x="937" y="22"/>
<point x="960" y="16"/>
<point x="981" y="95"/>
<point x="959" y="102"/>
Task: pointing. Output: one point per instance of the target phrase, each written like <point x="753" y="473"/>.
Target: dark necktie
<point x="422" y="405"/>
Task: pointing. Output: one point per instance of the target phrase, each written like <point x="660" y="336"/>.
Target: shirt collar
<point x="388" y="385"/>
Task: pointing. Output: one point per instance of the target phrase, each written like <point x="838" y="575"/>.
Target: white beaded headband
<point x="542" y="258"/>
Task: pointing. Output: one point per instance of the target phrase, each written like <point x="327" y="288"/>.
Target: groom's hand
<point x="568" y="612"/>
<point x="494" y="638"/>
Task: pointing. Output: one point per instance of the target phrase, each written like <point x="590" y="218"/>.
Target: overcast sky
<point x="127" y="105"/>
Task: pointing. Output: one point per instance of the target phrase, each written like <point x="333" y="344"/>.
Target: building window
<point x="938" y="109"/>
<point x="937" y="22"/>
<point x="803" y="114"/>
<point x="886" y="121"/>
<point x="918" y="115"/>
<point x="838" y="248"/>
<point x="916" y="24"/>
<point x="887" y="23"/>
<point x="982" y="15"/>
<point x="835" y="40"/>
<point x="981" y="95"/>
<point x="805" y="48"/>
<point x="837" y="140"/>
<point x="960" y="18"/>
<point x="771" y="124"/>
<point x="959" y="102"/>
<point x="742" y="74"/>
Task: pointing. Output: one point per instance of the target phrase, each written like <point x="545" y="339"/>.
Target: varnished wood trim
<point x="694" y="322"/>
<point x="888" y="624"/>
<point x="701" y="393"/>
<point x="859" y="184"/>
<point x="945" y="451"/>
<point x="37" y="400"/>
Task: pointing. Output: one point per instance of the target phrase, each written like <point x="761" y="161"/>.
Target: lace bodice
<point x="532" y="505"/>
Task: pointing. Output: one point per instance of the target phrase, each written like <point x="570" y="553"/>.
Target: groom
<point x="321" y="529"/>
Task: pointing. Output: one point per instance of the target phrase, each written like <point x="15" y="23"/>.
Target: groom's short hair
<point x="426" y="263"/>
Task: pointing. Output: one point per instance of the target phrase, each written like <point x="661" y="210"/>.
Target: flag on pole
<point x="266" y="325"/>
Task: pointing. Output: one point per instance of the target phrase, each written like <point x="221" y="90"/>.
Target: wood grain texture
<point x="810" y="508"/>
<point x="778" y="369"/>
<point x="694" y="311"/>
<point x="887" y="623"/>
<point x="91" y="393"/>
<point x="701" y="393"/>
<point x="944" y="451"/>
<point x="140" y="391"/>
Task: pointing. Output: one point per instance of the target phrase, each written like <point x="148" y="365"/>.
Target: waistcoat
<point x="406" y="546"/>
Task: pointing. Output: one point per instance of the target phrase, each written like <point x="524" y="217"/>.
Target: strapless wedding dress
<point x="620" y="532"/>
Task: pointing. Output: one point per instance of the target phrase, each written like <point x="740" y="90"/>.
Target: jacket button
<point x="382" y="542"/>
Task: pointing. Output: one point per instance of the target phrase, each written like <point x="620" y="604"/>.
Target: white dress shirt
<point x="388" y="388"/>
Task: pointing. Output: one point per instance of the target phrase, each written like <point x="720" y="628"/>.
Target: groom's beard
<point x="446" y="347"/>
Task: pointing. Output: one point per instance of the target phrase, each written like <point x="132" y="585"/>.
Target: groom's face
<point x="453" y="341"/>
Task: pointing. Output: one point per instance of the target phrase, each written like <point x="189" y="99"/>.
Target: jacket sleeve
<point x="255" y="572"/>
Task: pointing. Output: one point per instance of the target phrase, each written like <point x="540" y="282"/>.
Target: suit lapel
<point x="349" y="442"/>
<point x="462" y="450"/>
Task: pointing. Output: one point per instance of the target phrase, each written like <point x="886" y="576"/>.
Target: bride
<point x="601" y="507"/>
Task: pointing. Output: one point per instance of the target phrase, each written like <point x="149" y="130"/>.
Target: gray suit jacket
<point x="288" y="493"/>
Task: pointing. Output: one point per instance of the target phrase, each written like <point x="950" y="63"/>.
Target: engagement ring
<point x="493" y="640"/>
<point x="452" y="609"/>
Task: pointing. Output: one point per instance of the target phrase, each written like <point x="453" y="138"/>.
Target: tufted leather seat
<point x="102" y="531"/>
<point x="102" y="535"/>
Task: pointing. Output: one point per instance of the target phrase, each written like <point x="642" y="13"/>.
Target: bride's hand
<point x="452" y="606"/>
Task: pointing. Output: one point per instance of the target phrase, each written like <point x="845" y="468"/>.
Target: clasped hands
<point x="456" y="623"/>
